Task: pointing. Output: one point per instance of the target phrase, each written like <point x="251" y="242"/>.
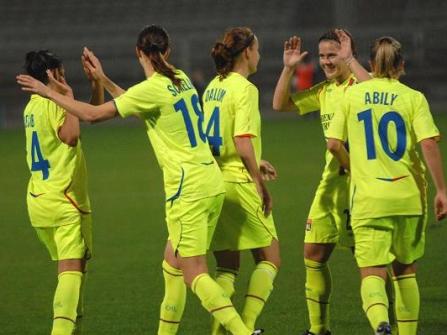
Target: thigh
<point x="409" y="238"/>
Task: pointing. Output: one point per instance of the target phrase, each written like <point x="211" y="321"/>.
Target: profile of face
<point x="253" y="56"/>
<point x="330" y="63"/>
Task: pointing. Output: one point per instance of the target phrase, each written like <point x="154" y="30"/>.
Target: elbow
<point x="70" y="139"/>
<point x="333" y="145"/>
<point x="278" y="106"/>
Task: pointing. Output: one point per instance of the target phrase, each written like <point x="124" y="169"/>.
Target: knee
<point x="318" y="252"/>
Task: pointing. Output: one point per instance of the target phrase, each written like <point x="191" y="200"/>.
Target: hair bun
<point x="30" y="56"/>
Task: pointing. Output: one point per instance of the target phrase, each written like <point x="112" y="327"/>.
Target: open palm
<point x="292" y="52"/>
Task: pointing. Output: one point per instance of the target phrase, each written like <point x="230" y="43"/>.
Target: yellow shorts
<point x="242" y="224"/>
<point x="191" y="224"/>
<point x="71" y="241"/>
<point x="380" y="241"/>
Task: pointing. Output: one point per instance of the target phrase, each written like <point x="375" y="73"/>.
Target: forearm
<point x="339" y="151"/>
<point x="70" y="131"/>
<point x="97" y="97"/>
<point x="281" y="97"/>
<point x="432" y="156"/>
<point x="246" y="152"/>
<point x="82" y="110"/>
<point x="358" y="70"/>
<point x="113" y="89"/>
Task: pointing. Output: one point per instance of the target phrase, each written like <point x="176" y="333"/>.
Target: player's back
<point x="383" y="118"/>
<point x="231" y="108"/>
<point x="58" y="171"/>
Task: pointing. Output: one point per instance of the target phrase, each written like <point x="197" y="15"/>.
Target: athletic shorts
<point x="191" y="224"/>
<point x="71" y="241"/>
<point x="380" y="241"/>
<point x="242" y="224"/>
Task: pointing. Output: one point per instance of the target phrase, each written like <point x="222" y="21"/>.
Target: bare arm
<point x="246" y="152"/>
<point x="93" y="65"/>
<point x="84" y="111"/>
<point x="432" y="156"/>
<point x="337" y="148"/>
<point x="346" y="54"/>
<point x="291" y="58"/>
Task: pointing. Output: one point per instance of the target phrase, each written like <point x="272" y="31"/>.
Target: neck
<point x="342" y="78"/>
<point x="242" y="69"/>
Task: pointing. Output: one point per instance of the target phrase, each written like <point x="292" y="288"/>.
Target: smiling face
<point x="332" y="66"/>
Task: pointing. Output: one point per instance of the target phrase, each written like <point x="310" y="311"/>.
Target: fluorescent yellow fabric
<point x="174" y="122"/>
<point x="383" y="120"/>
<point x="57" y="189"/>
<point x="231" y="108"/>
<point x="332" y="192"/>
<point x="375" y="301"/>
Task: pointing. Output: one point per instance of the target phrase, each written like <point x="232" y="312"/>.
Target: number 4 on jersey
<point x="214" y="140"/>
<point x="40" y="164"/>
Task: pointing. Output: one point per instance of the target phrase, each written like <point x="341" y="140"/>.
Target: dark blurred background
<point x="110" y="29"/>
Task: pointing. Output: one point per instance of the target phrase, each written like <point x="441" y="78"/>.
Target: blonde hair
<point x="386" y="58"/>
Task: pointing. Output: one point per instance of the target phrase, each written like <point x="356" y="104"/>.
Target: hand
<point x="266" y="199"/>
<point x="292" y="52"/>
<point x="440" y="205"/>
<point x="345" y="52"/>
<point x="92" y="66"/>
<point x="59" y="83"/>
<point x="32" y="85"/>
<point x="268" y="172"/>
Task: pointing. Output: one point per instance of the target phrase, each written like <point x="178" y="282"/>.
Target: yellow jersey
<point x="383" y="120"/>
<point x="58" y="171"/>
<point x="332" y="192"/>
<point x="174" y="122"/>
<point x="231" y="108"/>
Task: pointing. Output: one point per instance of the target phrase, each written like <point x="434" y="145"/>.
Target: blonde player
<point x="384" y="120"/>
<point x="328" y="221"/>
<point x="57" y="198"/>
<point x="169" y="106"/>
<point x="234" y="132"/>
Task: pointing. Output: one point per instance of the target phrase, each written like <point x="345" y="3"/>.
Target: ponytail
<point x="154" y="42"/>
<point x="386" y="58"/>
<point x="225" y="53"/>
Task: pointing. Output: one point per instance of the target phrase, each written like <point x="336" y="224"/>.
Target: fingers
<point x="293" y="43"/>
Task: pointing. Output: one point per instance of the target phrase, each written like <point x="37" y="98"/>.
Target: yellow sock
<point x="65" y="302"/>
<point x="215" y="301"/>
<point x="375" y="301"/>
<point x="80" y="308"/>
<point x="225" y="278"/>
<point x="259" y="289"/>
<point x="171" y="309"/>
<point x="318" y="292"/>
<point x="407" y="304"/>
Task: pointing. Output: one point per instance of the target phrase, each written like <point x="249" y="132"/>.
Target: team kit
<point x="372" y="196"/>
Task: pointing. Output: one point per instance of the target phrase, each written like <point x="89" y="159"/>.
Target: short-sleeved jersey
<point x="324" y="97"/>
<point x="384" y="120"/>
<point x="231" y="108"/>
<point x="58" y="171"/>
<point x="174" y="119"/>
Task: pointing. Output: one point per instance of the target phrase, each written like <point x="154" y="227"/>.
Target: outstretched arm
<point x="291" y="58"/>
<point x="82" y="110"/>
<point x="94" y="66"/>
<point x="346" y="55"/>
<point x="432" y="156"/>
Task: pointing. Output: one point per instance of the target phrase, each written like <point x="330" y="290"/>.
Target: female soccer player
<point x="57" y="198"/>
<point x="384" y="120"/>
<point x="169" y="106"/>
<point x="328" y="220"/>
<point x="234" y="133"/>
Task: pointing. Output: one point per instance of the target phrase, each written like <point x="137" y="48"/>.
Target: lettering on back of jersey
<point x="185" y="85"/>
<point x="215" y="94"/>
<point x="380" y="98"/>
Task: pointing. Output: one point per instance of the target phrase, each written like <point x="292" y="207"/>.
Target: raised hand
<point x="59" y="83"/>
<point x="292" y="52"/>
<point x="92" y="66"/>
<point x="345" y="52"/>
<point x="268" y="172"/>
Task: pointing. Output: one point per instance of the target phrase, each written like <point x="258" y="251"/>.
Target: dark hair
<point x="331" y="35"/>
<point x="386" y="58"/>
<point x="154" y="41"/>
<point x="233" y="43"/>
<point x="38" y="62"/>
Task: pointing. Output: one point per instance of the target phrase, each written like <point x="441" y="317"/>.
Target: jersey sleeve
<point x="338" y="128"/>
<point x="308" y="101"/>
<point x="56" y="117"/>
<point x="423" y="124"/>
<point x="246" y="112"/>
<point x="137" y="100"/>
